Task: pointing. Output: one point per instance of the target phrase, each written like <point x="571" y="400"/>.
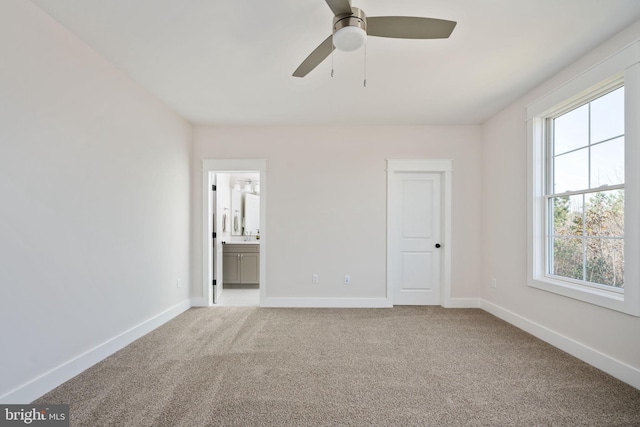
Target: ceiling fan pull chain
<point x="332" y="63"/>
<point x="365" y="63"/>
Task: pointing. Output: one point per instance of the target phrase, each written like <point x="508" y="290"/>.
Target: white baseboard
<point x="48" y="381"/>
<point x="611" y="366"/>
<point x="327" y="302"/>
<point x="462" y="303"/>
<point x="357" y="302"/>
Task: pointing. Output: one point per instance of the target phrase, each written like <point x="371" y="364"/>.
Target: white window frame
<point x="624" y="66"/>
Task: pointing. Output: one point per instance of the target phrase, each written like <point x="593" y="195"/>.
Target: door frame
<point x="209" y="168"/>
<point x="444" y="168"/>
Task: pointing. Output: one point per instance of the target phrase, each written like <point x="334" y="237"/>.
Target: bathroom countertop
<point x="241" y="242"/>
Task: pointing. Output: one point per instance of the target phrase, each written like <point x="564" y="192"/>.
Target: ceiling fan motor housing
<point x="350" y="30"/>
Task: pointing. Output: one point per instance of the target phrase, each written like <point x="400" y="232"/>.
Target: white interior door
<point x="218" y="272"/>
<point x="414" y="238"/>
<point x="219" y="220"/>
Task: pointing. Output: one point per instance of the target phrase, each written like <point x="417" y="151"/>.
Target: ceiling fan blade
<point x="315" y="58"/>
<point x="409" y="27"/>
<point x="339" y="7"/>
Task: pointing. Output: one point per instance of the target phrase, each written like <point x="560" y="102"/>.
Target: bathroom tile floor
<point x="240" y="296"/>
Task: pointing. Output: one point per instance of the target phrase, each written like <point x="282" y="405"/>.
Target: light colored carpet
<point x="250" y="366"/>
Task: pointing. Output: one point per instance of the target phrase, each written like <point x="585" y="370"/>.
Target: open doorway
<point x="234" y="225"/>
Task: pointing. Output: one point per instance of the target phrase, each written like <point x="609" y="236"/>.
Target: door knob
<point x="437" y="245"/>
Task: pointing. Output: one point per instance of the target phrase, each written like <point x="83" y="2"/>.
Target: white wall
<point x="326" y="207"/>
<point x="94" y="193"/>
<point x="578" y="325"/>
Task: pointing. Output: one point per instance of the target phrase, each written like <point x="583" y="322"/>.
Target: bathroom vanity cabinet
<point x="241" y="264"/>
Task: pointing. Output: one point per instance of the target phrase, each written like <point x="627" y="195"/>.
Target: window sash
<point x="549" y="237"/>
<point x="548" y="132"/>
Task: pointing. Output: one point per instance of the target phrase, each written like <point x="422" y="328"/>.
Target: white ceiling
<point x="230" y="62"/>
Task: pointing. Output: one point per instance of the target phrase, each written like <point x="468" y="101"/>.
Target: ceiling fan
<point x="351" y="27"/>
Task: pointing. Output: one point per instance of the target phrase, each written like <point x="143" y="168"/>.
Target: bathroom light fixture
<point x="247" y="186"/>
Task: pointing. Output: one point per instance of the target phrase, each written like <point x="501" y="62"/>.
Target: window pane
<point x="571" y="171"/>
<point x="567" y="215"/>
<point x="567" y="257"/>
<point x="604" y="214"/>
<point x="607" y="116"/>
<point x="605" y="262"/>
<point x="607" y="163"/>
<point x="571" y="130"/>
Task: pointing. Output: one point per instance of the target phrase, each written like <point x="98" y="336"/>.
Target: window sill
<point x="613" y="300"/>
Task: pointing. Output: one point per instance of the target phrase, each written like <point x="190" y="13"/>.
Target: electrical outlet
<point x="347" y="279"/>
<point x="493" y="282"/>
<point x="178" y="285"/>
<point x="315" y="278"/>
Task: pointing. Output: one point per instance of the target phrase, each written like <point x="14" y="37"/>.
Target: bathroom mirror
<point x="251" y="214"/>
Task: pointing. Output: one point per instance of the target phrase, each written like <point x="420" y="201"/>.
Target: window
<point x="584" y="182"/>
<point x="585" y="192"/>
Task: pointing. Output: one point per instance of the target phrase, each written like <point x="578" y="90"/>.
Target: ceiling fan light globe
<point x="349" y="38"/>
